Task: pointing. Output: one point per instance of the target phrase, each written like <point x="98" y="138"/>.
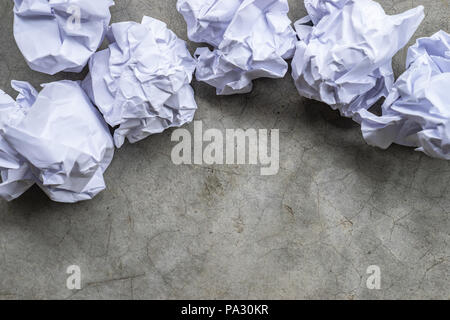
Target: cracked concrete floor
<point x="162" y="231"/>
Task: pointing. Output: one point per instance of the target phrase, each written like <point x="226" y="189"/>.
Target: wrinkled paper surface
<point x="344" y="58"/>
<point x="60" y="35"/>
<point x="417" y="112"/>
<point x="56" y="139"/>
<point x="141" y="83"/>
<point x="252" y="39"/>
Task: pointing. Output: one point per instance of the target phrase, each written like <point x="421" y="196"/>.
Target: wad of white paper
<point x="344" y="56"/>
<point x="417" y="111"/>
<point x="252" y="39"/>
<point x="60" y="35"/>
<point x="141" y="83"/>
<point x="56" y="139"/>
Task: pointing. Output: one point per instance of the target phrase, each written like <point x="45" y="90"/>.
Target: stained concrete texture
<point x="162" y="231"/>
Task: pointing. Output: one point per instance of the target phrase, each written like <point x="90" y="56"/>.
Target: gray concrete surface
<point x="164" y="231"/>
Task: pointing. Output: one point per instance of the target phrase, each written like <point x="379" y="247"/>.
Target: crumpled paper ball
<point x="417" y="112"/>
<point x="60" y="35"/>
<point x="141" y="83"/>
<point x="56" y="139"/>
<point x="344" y="58"/>
<point x="207" y="20"/>
<point x="252" y="39"/>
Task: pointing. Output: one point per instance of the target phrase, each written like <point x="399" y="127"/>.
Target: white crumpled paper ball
<point x="141" y="83"/>
<point x="252" y="39"/>
<point x="344" y="58"/>
<point x="60" y="35"/>
<point x="56" y="139"/>
<point x="417" y="111"/>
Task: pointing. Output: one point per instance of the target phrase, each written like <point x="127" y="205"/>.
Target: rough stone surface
<point x="163" y="231"/>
